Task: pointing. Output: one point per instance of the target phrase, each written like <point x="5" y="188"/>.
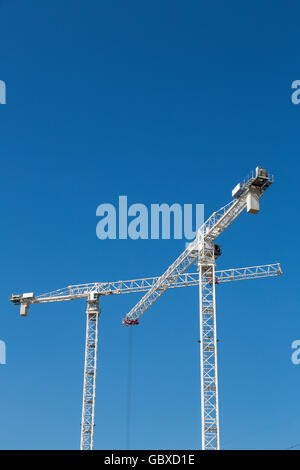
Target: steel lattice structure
<point x="246" y="194"/>
<point x="202" y="252"/>
<point x="208" y="349"/>
<point x="90" y="371"/>
<point x="209" y="231"/>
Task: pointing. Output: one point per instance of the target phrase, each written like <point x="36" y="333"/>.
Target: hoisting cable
<point x="129" y="389"/>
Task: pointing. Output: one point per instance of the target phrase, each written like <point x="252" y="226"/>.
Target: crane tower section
<point x="208" y="348"/>
<point x="90" y="368"/>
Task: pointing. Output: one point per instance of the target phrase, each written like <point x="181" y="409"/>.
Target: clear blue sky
<point x="163" y="101"/>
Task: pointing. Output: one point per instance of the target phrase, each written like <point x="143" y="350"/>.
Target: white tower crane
<point x="203" y="249"/>
<point x="92" y="292"/>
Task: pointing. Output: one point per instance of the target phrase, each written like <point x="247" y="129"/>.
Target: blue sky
<point x="162" y="101"/>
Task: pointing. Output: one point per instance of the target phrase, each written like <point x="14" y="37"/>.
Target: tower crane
<point x="204" y="250"/>
<point x="92" y="292"/>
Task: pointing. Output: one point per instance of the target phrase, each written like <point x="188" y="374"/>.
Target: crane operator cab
<point x="254" y="186"/>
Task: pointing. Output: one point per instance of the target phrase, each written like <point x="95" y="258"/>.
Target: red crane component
<point x="128" y="322"/>
<point x="211" y="282"/>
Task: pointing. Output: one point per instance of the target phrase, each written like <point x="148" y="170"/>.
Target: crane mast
<point x="208" y="348"/>
<point x="90" y="370"/>
<point x="92" y="293"/>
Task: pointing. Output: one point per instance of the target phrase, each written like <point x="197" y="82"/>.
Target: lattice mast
<point x="90" y="370"/>
<point x="208" y="349"/>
